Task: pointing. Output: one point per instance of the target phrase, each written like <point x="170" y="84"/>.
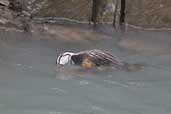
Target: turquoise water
<point x="30" y="83"/>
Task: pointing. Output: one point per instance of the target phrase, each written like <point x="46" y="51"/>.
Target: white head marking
<point x="64" y="58"/>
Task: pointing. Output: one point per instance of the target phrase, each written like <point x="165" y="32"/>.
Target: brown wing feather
<point x="108" y="57"/>
<point x="102" y="58"/>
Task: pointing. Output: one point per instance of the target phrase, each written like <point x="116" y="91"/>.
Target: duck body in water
<point x="90" y="59"/>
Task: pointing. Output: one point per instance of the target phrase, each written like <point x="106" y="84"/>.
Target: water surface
<point x="31" y="84"/>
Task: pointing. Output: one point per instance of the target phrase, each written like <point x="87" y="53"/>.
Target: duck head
<point x="64" y="58"/>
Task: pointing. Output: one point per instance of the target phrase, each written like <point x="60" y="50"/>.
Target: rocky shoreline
<point x="21" y="16"/>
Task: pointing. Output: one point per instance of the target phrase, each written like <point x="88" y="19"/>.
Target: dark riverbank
<point x="148" y="14"/>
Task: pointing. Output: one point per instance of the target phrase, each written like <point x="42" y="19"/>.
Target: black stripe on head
<point x="58" y="59"/>
<point x="60" y="56"/>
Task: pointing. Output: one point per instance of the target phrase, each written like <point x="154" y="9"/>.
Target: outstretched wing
<point x="104" y="58"/>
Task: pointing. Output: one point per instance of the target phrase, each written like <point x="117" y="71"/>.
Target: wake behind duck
<point x="94" y="58"/>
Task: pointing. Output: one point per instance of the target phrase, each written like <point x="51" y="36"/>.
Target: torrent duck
<point x="90" y="59"/>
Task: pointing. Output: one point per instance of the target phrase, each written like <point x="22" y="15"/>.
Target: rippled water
<point x="31" y="84"/>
